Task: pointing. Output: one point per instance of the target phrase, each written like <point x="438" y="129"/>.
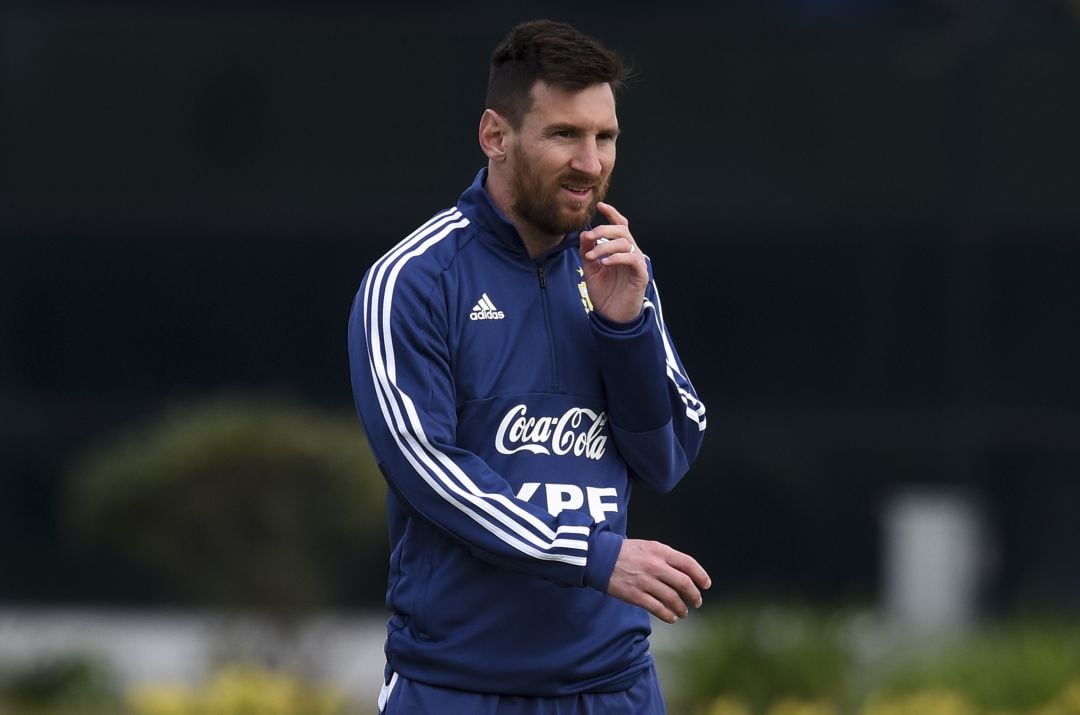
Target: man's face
<point x="563" y="156"/>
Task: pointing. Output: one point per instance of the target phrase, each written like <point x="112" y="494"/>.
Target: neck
<point x="536" y="240"/>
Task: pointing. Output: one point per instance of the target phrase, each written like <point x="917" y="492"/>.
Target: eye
<point x="562" y="133"/>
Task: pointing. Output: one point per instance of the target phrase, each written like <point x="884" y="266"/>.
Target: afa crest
<point x="584" y="292"/>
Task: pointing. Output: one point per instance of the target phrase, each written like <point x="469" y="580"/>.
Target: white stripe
<point x="391" y="372"/>
<point x="695" y="410"/>
<point x="426" y="243"/>
<point x="487" y="302"/>
<point x="414" y="418"/>
<point x="384" y="692"/>
<point x="696" y="414"/>
<point x="418" y="450"/>
<point x="474" y="492"/>
<point x="438" y="488"/>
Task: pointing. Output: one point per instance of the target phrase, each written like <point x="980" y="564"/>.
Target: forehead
<point x="592" y="107"/>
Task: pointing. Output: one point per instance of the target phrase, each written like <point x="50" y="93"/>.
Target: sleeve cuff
<point x="604" y="547"/>
<point x="615" y="328"/>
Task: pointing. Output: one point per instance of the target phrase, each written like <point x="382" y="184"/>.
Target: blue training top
<point x="510" y="421"/>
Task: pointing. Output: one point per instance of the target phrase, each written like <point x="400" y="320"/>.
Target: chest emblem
<point x="584" y="292"/>
<point x="486" y="310"/>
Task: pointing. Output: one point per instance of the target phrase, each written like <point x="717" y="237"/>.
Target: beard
<point x="545" y="206"/>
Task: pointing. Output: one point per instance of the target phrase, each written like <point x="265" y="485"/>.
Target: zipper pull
<point x="543" y="279"/>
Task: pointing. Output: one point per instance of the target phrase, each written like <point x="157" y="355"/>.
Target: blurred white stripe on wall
<point x="181" y="648"/>
<point x="936" y="554"/>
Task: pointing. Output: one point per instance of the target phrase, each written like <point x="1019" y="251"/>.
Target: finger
<point x="611" y="232"/>
<point x="612" y="214"/>
<point x="609" y="247"/>
<point x="606" y="232"/>
<point x="670" y="598"/>
<point x="625" y="258"/>
<point x="684" y="586"/>
<point x="656" y="607"/>
<point x="689" y="566"/>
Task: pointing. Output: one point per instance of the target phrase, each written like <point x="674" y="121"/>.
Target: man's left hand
<point x="615" y="270"/>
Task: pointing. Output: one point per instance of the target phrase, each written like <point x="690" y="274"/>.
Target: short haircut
<point x="550" y="51"/>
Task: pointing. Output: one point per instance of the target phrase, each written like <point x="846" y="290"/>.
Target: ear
<point x="494" y="132"/>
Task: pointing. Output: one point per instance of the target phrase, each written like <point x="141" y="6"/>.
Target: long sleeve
<point x="657" y="420"/>
<point x="403" y="387"/>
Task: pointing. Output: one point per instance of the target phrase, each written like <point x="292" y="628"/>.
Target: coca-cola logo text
<point x="578" y="431"/>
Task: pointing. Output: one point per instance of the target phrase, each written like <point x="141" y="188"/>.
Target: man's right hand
<point x="663" y="581"/>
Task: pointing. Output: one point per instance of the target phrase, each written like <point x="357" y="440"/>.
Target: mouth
<point x="581" y="193"/>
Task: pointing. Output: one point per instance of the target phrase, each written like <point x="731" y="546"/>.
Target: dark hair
<point x="550" y="51"/>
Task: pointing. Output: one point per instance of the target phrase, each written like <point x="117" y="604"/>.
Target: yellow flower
<point x="1070" y="699"/>
<point x="930" y="702"/>
<point x="160" y="700"/>
<point x="1054" y="708"/>
<point x="241" y="690"/>
<point x="792" y="706"/>
<point x="725" y="705"/>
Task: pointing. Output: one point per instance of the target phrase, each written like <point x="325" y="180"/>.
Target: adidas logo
<point x="485" y="310"/>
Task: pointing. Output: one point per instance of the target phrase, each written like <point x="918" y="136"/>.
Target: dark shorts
<point x="402" y="696"/>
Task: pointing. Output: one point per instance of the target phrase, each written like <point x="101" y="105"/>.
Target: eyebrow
<point x="613" y="131"/>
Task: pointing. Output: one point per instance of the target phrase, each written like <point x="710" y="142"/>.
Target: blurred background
<point x="864" y="220"/>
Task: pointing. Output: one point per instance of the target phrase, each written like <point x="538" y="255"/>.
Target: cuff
<point x="615" y="328"/>
<point x="604" y="547"/>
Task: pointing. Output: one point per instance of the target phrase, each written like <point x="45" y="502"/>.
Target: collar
<point x="476" y="204"/>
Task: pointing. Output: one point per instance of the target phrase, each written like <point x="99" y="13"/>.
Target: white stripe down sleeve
<point x="404" y="391"/>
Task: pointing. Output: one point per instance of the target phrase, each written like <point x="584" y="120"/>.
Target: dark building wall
<point x="864" y="231"/>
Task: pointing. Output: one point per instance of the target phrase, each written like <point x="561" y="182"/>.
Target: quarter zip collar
<point x="476" y="204"/>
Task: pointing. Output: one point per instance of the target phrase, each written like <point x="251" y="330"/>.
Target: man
<point x="515" y="377"/>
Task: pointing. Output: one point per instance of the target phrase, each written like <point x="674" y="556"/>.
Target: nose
<point x="586" y="158"/>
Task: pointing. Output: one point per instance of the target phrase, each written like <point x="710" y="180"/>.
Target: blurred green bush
<point x="81" y="685"/>
<point x="1014" y="666"/>
<point x="746" y="660"/>
<point x="240" y="690"/>
<point x="742" y="661"/>
<point x="62" y="685"/>
<point x="759" y="656"/>
<point x="240" y="503"/>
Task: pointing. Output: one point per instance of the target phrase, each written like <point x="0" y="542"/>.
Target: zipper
<point x="547" y="324"/>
